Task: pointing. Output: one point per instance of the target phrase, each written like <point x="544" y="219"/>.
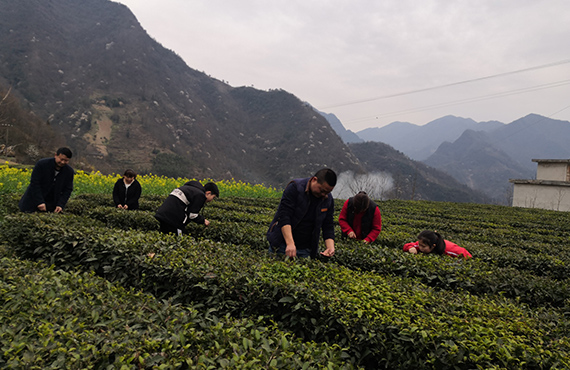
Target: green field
<point x="79" y="290"/>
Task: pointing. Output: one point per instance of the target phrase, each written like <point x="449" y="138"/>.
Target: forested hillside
<point x="121" y="100"/>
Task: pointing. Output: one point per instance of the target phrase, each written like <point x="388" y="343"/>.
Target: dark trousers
<point x="169" y="229"/>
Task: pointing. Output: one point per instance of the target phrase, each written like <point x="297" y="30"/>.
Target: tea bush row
<point x="384" y="321"/>
<point x="540" y="232"/>
<point x="534" y="278"/>
<point x="493" y="225"/>
<point x="55" y="319"/>
<point x="474" y="275"/>
<point x="226" y="231"/>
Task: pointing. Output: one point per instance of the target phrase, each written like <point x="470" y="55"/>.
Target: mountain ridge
<point x="122" y="100"/>
<point x="419" y="142"/>
<point x="485" y="161"/>
<point x="473" y="161"/>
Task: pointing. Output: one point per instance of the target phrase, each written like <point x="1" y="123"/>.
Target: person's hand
<point x="291" y="250"/>
<point x="329" y="252"/>
<point x="58" y="209"/>
<point x="366" y="241"/>
<point x="125" y="207"/>
<point x="206" y="222"/>
<point x="42" y="207"/>
<point x="413" y="250"/>
<point x="120" y="206"/>
<point x="352" y="235"/>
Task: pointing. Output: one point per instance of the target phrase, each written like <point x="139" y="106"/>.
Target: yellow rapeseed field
<point x="14" y="180"/>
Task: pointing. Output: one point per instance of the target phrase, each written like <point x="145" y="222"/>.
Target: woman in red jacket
<point x="432" y="242"/>
<point x="360" y="218"/>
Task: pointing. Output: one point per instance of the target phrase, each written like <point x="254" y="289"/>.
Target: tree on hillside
<point x="376" y="185"/>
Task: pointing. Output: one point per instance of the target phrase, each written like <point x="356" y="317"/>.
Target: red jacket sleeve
<point x="343" y="220"/>
<point x="407" y="246"/>
<point x="376" y="227"/>
<point x="453" y="250"/>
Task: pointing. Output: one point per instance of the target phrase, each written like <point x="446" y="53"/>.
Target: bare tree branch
<point x="6" y="96"/>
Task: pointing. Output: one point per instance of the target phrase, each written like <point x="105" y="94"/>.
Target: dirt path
<point x="102" y="132"/>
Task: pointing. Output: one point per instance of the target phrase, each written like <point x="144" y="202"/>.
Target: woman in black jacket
<point x="127" y="191"/>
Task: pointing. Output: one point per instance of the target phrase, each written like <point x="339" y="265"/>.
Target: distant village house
<point x="550" y="190"/>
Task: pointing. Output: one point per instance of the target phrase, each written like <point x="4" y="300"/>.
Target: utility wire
<point x="463" y="101"/>
<point x="566" y="61"/>
<point x="538" y="120"/>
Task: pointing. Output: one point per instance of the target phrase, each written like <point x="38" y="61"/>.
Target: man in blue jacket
<point x="51" y="184"/>
<point x="306" y="208"/>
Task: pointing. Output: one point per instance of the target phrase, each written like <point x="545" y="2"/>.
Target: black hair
<point x="65" y="151"/>
<point x="361" y="202"/>
<point x="130" y="173"/>
<point x="212" y="188"/>
<point x="326" y="175"/>
<point x="433" y="239"/>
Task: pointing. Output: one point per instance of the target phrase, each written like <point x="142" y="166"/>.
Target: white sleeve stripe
<point x="180" y="195"/>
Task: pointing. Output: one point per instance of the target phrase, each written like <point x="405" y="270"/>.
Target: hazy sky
<point x="372" y="62"/>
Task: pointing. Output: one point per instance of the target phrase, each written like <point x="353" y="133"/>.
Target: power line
<point x="463" y="101"/>
<point x="566" y="61"/>
<point x="538" y="120"/>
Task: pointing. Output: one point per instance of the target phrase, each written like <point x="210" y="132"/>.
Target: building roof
<point x="541" y="182"/>
<point x="551" y="160"/>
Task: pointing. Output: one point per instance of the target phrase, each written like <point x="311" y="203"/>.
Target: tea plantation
<point x="100" y="288"/>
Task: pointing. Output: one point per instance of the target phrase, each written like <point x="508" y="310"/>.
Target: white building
<point x="550" y="190"/>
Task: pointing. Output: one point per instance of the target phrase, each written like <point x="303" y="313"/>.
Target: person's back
<point x="432" y="242"/>
<point x="183" y="205"/>
<point x="454" y="250"/>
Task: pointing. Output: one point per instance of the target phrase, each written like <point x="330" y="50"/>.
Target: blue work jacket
<point x="293" y="207"/>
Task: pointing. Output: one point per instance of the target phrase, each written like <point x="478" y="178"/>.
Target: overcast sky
<point x="373" y="62"/>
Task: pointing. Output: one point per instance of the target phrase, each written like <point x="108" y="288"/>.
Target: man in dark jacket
<point x="306" y="208"/>
<point x="51" y="184"/>
<point x="183" y="205"/>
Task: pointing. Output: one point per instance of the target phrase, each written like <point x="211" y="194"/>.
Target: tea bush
<point x="385" y="321"/>
<point x="56" y="319"/>
<point x="506" y="308"/>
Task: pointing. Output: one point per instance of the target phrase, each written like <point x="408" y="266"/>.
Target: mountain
<point x="412" y="179"/>
<point x="419" y="142"/>
<point x="474" y="161"/>
<point x="122" y="100"/>
<point x="346" y="135"/>
<point x="482" y="155"/>
<point x="486" y="161"/>
<point x="19" y="126"/>
<point x="533" y="137"/>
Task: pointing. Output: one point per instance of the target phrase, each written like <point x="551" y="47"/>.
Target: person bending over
<point x="51" y="184"/>
<point x="360" y="218"/>
<point x="184" y="205"/>
<point x="306" y="208"/>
